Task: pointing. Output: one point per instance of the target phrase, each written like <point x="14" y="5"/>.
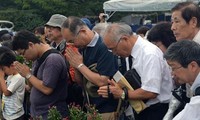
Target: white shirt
<point x="195" y="84"/>
<point x="94" y="40"/>
<point x="191" y="110"/>
<point x="153" y="69"/>
<point x="197" y="37"/>
<point x="13" y="105"/>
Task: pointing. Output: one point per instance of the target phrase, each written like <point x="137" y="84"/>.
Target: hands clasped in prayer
<point x="74" y="57"/>
<point x="22" y="69"/>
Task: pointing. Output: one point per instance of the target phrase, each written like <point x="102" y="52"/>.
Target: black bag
<point x="133" y="78"/>
<point x="182" y="98"/>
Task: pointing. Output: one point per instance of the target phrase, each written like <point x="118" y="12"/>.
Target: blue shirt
<point x="97" y="52"/>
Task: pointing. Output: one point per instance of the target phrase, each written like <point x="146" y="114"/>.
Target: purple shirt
<point x="53" y="73"/>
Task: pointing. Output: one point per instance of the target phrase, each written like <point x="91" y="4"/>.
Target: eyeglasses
<point x="77" y="34"/>
<point x="175" y="68"/>
<point x="24" y="52"/>
<point x="75" y="37"/>
<point x="21" y="53"/>
<point x="114" y="48"/>
<point x="50" y="28"/>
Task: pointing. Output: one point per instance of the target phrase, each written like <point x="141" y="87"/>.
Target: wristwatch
<point x="28" y="76"/>
<point x="123" y="95"/>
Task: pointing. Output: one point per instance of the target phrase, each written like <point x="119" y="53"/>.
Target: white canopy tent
<point x="111" y="6"/>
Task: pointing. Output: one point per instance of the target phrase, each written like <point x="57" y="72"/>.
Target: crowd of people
<point x="73" y="62"/>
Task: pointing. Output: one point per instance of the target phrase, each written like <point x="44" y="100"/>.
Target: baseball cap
<point x="87" y="22"/>
<point x="56" y="20"/>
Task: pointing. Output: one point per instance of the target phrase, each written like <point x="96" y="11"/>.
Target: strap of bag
<point x="44" y="56"/>
<point x="174" y="93"/>
<point x="197" y="91"/>
<point x="85" y="89"/>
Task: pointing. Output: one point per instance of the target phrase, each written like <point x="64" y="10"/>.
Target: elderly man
<point x="54" y="31"/>
<point x="96" y="64"/>
<point x="148" y="61"/>
<point x="186" y="21"/>
<point x="186" y="26"/>
<point x="184" y="59"/>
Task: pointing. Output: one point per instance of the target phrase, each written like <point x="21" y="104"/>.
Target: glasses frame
<point x="21" y="53"/>
<point x="115" y="48"/>
<point x="77" y="34"/>
<point x="175" y="68"/>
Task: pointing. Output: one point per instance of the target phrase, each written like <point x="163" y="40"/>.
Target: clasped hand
<point x="22" y="69"/>
<point x="113" y="88"/>
<point x="74" y="57"/>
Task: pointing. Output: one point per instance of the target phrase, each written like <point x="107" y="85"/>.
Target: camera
<point x="105" y="16"/>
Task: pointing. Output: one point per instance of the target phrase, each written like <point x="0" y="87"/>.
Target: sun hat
<point x="56" y="20"/>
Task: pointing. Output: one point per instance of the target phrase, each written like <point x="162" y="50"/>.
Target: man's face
<point x="116" y="47"/>
<point x="54" y="33"/>
<point x="28" y="54"/>
<point x="180" y="74"/>
<point x="77" y="39"/>
<point x="181" y="29"/>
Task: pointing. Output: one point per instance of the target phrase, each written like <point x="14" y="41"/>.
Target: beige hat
<point x="56" y="20"/>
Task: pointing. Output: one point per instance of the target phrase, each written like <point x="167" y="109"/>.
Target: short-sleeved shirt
<point x="197" y="37"/>
<point x="97" y="52"/>
<point x="153" y="69"/>
<point x="53" y="73"/>
<point x="191" y="109"/>
<point x="13" y="105"/>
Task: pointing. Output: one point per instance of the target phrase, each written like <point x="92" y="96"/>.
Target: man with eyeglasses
<point x="184" y="59"/>
<point x="58" y="42"/>
<point x="185" y="26"/>
<point x="54" y="32"/>
<point x="93" y="61"/>
<point x="148" y="61"/>
<point x="48" y="78"/>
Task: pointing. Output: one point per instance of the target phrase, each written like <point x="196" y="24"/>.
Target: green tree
<point x="27" y="14"/>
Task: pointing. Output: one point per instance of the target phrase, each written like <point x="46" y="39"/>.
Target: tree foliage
<point x="27" y="14"/>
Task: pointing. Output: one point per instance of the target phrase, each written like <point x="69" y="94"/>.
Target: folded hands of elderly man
<point x="112" y="89"/>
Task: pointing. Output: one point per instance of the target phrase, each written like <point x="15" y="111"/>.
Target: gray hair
<point x="116" y="30"/>
<point x="184" y="52"/>
<point x="100" y="28"/>
<point x="73" y="24"/>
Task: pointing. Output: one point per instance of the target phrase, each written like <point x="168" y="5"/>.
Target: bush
<point x="76" y="113"/>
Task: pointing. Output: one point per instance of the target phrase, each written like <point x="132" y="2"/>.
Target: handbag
<point x="90" y="87"/>
<point x="133" y="78"/>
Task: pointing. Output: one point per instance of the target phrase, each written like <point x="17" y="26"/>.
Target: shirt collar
<point x="94" y="40"/>
<point x="196" y="83"/>
<point x="197" y="37"/>
<point x="135" y="49"/>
